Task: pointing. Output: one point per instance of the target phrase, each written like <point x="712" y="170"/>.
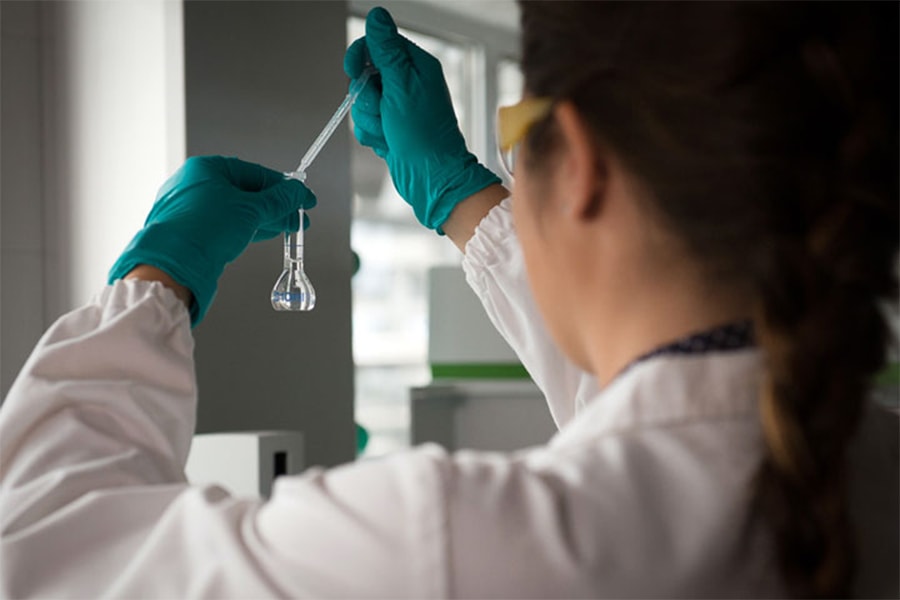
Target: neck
<point x="637" y="322"/>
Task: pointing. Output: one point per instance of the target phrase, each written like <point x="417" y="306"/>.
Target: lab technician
<point x="702" y="225"/>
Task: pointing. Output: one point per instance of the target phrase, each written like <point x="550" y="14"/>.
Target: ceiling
<point x="498" y="13"/>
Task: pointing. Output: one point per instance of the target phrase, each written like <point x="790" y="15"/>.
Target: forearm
<point x="460" y="225"/>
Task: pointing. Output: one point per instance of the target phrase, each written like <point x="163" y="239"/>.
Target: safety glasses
<point x="514" y="123"/>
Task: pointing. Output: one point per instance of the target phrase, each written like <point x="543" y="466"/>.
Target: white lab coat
<point x="644" y="491"/>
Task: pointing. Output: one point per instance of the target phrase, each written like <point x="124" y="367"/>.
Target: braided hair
<point x="767" y="134"/>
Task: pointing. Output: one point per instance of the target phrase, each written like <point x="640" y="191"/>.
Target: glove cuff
<point x="143" y="250"/>
<point x="470" y="179"/>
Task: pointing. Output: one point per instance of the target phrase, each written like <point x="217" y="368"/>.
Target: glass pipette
<point x="294" y="291"/>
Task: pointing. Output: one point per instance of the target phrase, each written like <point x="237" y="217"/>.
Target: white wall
<point x="92" y="123"/>
<point x="114" y="102"/>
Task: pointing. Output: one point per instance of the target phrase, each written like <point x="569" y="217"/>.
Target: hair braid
<point x="824" y="336"/>
<point x="810" y="406"/>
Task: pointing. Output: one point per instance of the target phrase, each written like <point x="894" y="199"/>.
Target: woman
<point x="705" y="205"/>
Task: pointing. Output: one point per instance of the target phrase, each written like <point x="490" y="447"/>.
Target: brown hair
<point x="767" y="133"/>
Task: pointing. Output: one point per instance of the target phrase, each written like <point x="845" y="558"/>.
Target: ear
<point x="583" y="171"/>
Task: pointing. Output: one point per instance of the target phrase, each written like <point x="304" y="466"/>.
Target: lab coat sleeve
<point x="94" y="435"/>
<point x="495" y="270"/>
<point x="106" y="400"/>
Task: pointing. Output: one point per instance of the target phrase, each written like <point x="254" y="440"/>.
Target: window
<point x="509" y="83"/>
<point x="390" y="301"/>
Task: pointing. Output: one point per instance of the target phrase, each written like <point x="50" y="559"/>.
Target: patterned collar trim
<point x="730" y="337"/>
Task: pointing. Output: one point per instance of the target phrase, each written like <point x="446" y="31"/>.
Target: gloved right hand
<point x="407" y="118"/>
<point x="204" y="217"/>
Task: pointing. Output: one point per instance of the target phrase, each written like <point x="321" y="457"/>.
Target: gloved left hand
<point x="205" y="215"/>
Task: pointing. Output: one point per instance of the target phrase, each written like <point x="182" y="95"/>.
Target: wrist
<point x="159" y="246"/>
<point x="464" y="218"/>
<point x="151" y="273"/>
<point x="462" y="180"/>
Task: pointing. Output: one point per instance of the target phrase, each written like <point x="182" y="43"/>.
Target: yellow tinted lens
<point x="513" y="123"/>
<point x="508" y="158"/>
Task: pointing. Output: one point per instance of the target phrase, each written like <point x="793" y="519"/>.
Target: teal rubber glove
<point x="205" y="215"/>
<point x="405" y="115"/>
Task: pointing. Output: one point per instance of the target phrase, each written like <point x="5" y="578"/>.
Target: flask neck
<point x="293" y="247"/>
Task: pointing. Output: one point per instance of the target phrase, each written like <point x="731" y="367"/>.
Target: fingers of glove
<point x="356" y="58"/>
<point x="372" y="140"/>
<point x="289" y="223"/>
<point x="369" y="98"/>
<point x="364" y="120"/>
<point x="368" y="130"/>
<point x="388" y="49"/>
<point x="279" y="201"/>
<point x="250" y="177"/>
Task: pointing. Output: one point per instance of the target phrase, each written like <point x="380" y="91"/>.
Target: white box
<point x="247" y="462"/>
<point x="498" y="416"/>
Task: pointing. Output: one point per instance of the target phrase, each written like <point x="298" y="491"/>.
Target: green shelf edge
<point x="889" y="376"/>
<point x="479" y="371"/>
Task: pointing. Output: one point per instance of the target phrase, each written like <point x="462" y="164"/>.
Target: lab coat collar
<point x="672" y="390"/>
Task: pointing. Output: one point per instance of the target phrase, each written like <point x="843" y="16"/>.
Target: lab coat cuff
<point x="494" y="241"/>
<point x="123" y="294"/>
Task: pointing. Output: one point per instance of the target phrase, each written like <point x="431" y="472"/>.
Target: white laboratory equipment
<point x="490" y="415"/>
<point x="246" y="463"/>
<point x="480" y="396"/>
